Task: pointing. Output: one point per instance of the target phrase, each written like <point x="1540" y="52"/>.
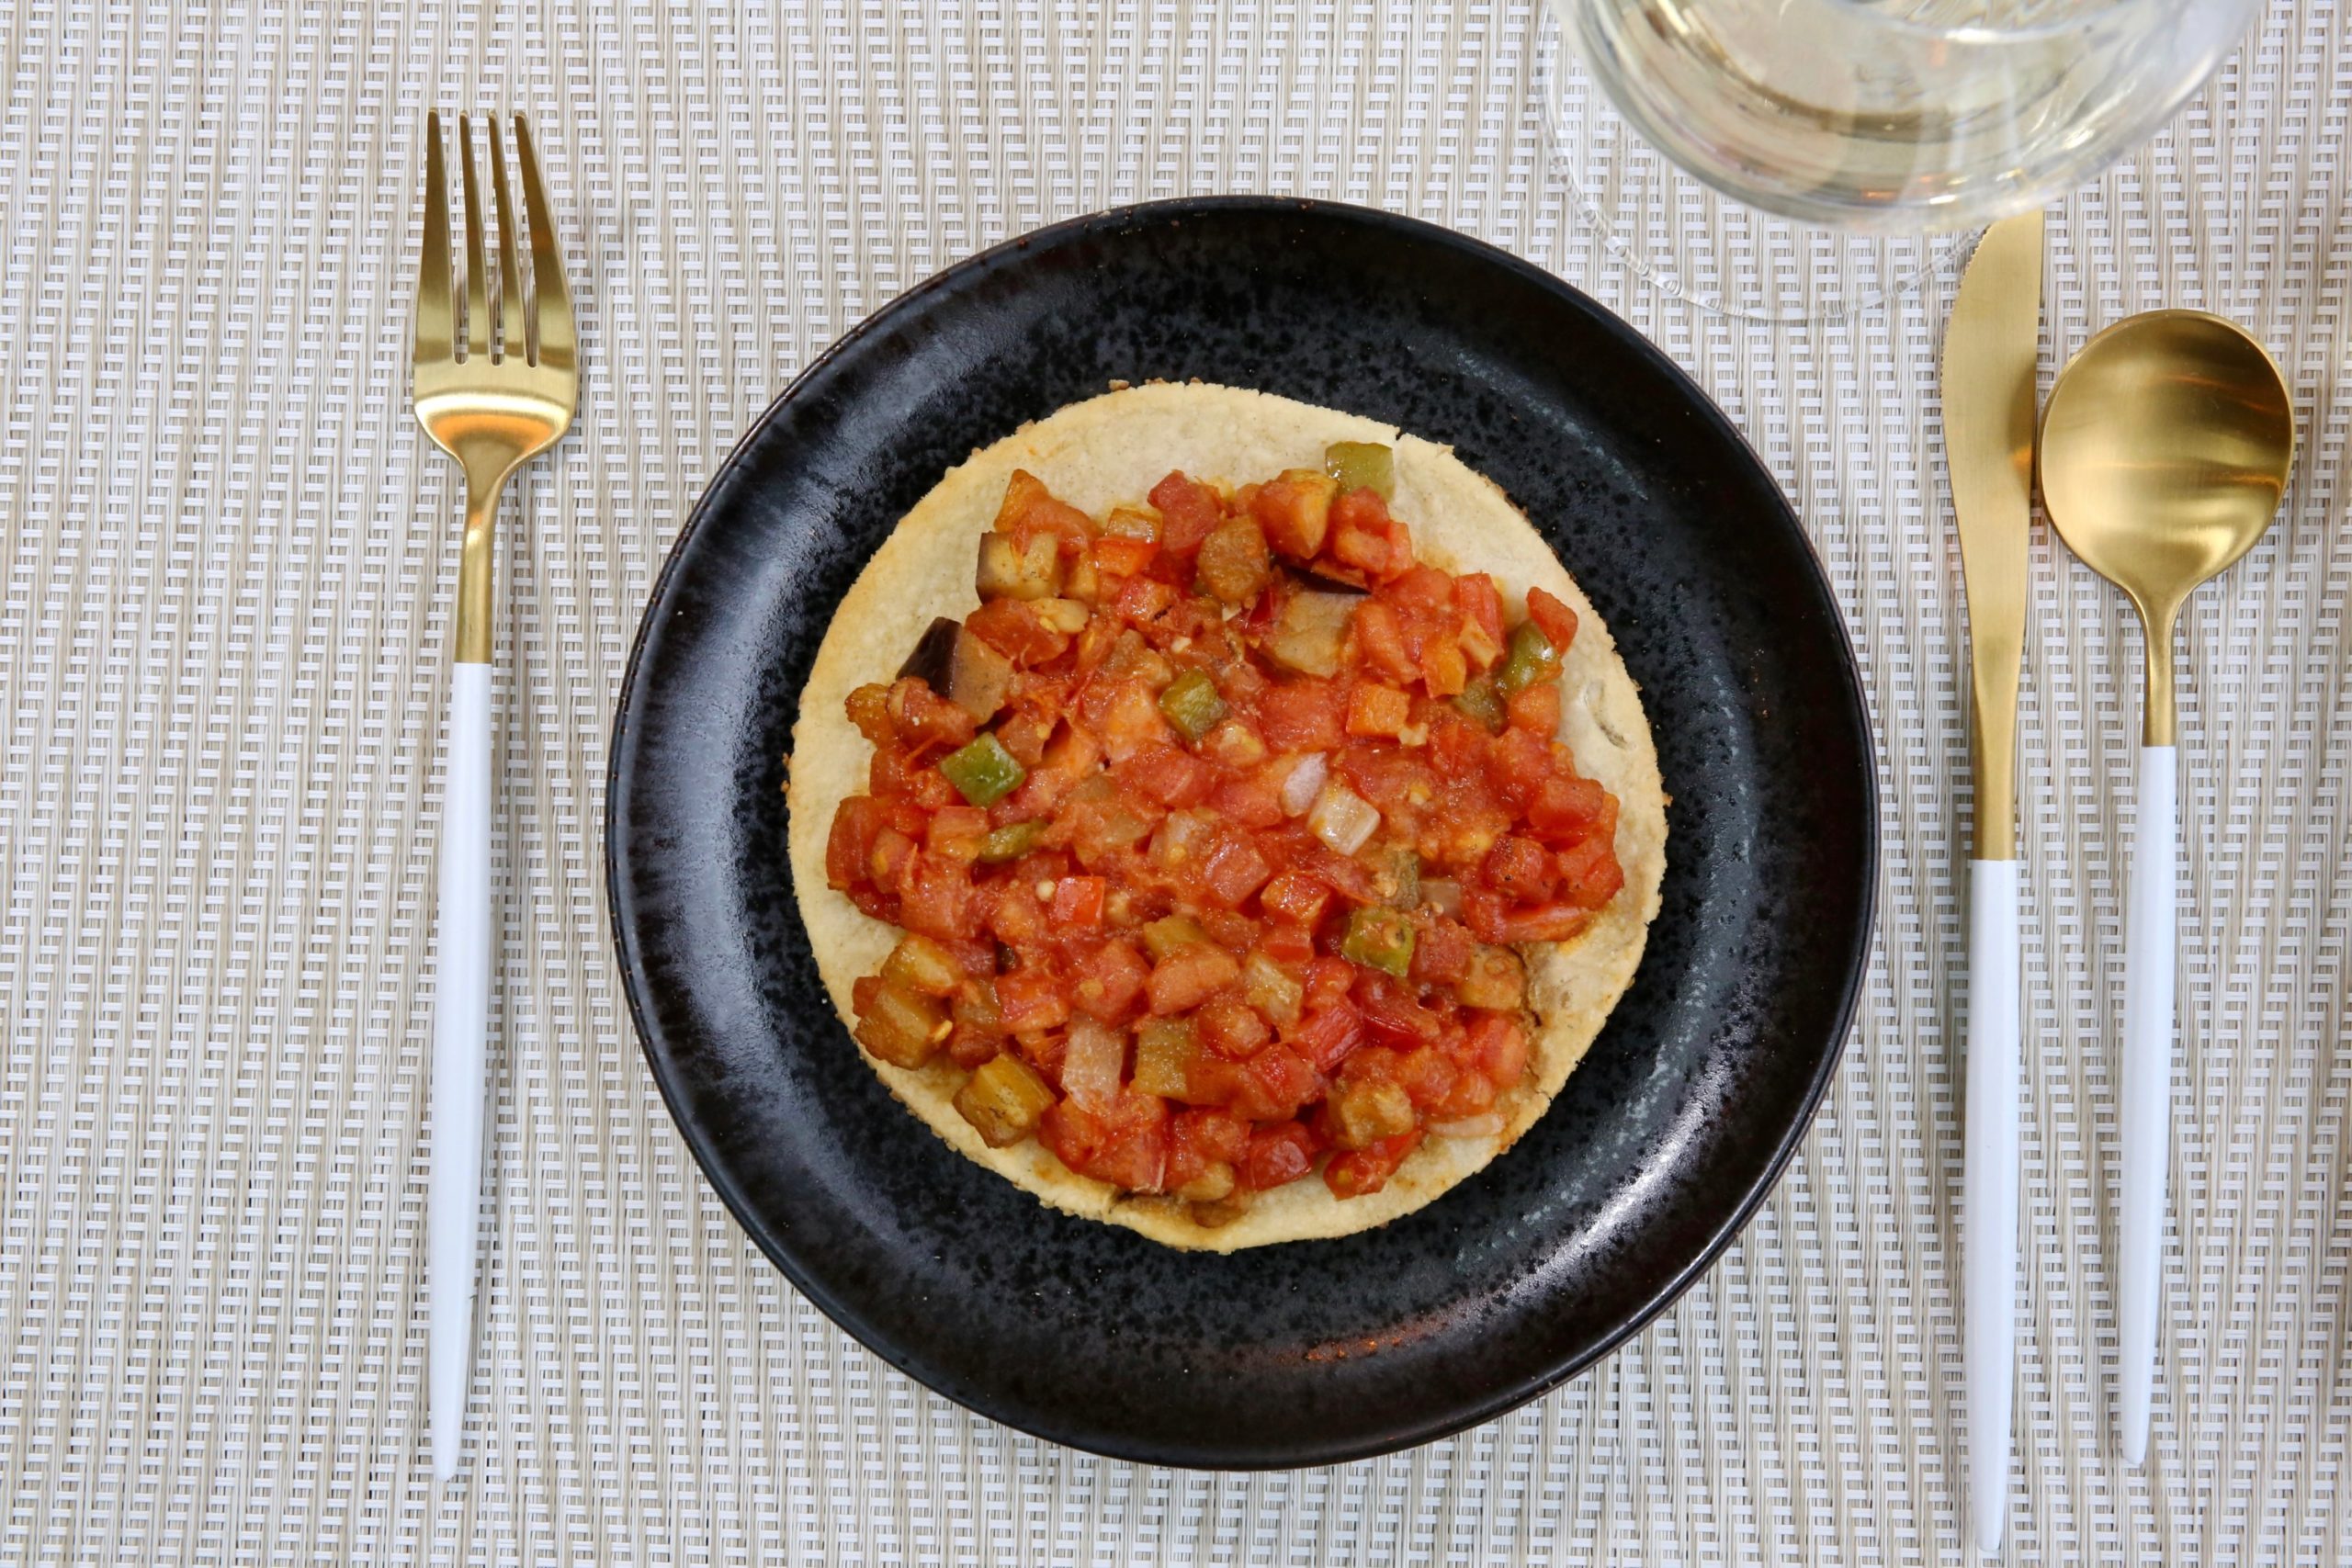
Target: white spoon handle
<point x="2149" y="932"/>
<point x="1989" y="1188"/>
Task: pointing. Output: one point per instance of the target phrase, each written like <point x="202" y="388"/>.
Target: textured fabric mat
<point x="226" y="560"/>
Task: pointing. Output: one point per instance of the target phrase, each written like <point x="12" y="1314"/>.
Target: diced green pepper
<point x="1479" y="702"/>
<point x="1192" y="704"/>
<point x="1405" y="868"/>
<point x="1379" y="939"/>
<point x="1362" y="465"/>
<point x="983" y="773"/>
<point x="1531" y="659"/>
<point x="1012" y="842"/>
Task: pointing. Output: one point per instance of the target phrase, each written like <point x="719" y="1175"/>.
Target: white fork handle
<point x="2150" y="928"/>
<point x="1989" y="1188"/>
<point x="460" y="1027"/>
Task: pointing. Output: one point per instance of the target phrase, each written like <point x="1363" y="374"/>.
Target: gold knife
<point x="1991" y="346"/>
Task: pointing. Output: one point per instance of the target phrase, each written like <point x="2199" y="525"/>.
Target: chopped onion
<point x="1441" y="894"/>
<point x="1342" y="819"/>
<point x="1489" y="1126"/>
<point x="1091" y="1064"/>
<point x="1306" y="781"/>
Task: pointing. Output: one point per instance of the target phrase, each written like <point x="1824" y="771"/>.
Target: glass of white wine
<point x="1898" y="115"/>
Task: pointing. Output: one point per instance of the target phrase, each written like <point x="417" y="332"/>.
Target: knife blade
<point x="1992" y="345"/>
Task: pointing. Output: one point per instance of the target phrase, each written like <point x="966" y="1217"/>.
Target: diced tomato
<point x="1442" y="950"/>
<point x="1296" y="897"/>
<point x="1128" y="1148"/>
<point x="1365" y="549"/>
<point x="850" y="842"/>
<point x="1590" y="874"/>
<point x="1327" y="1035"/>
<point x="1250" y="802"/>
<point x="1233" y="871"/>
<point x="1517" y="765"/>
<point x="1425" y="1075"/>
<point x="1390" y="1014"/>
<point x="1519" y="869"/>
<point x="1329" y="980"/>
<point x="1445" y="671"/>
<point x="1476" y="594"/>
<point x="1287" y="944"/>
<point x="1125" y="555"/>
<point x="1472" y="1094"/>
<point x="1354" y="1173"/>
<point x="935" y="898"/>
<point x="1360" y="509"/>
<point x="1175" y="779"/>
<point x="1017" y="918"/>
<point x="1030" y="999"/>
<point x="1109" y="980"/>
<point x="1015" y="630"/>
<point x="1077" y="904"/>
<point x="1380" y="641"/>
<point x="1501" y="1048"/>
<point x="1277" y="1155"/>
<point x="1200" y="1138"/>
<point x="1189" y="511"/>
<point x="1400" y="552"/>
<point x="1420" y="587"/>
<point x="1230" y="1026"/>
<point x="1376" y="710"/>
<point x="1274" y="1084"/>
<point x="956" y="832"/>
<point x="1569" y="806"/>
<point x="1144" y="599"/>
<point x="1493" y="919"/>
<point x="1535" y="707"/>
<point x="925" y="720"/>
<point x="1303" y="715"/>
<point x="1557" y="622"/>
<point x="1295" y="512"/>
<point x="1186" y="977"/>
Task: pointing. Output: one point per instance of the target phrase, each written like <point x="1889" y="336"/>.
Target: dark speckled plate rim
<point x="1137" y="217"/>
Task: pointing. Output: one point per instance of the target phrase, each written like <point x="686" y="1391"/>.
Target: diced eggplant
<point x="1008" y="572"/>
<point x="1309" y="630"/>
<point x="1233" y="562"/>
<point x="1004" y="1099"/>
<point x="961" y="668"/>
<point x="902" y="1027"/>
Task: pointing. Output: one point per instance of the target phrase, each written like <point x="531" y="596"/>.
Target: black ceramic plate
<point x="1667" y="1137"/>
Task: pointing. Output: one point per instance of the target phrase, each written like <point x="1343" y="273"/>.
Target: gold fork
<point x="492" y="402"/>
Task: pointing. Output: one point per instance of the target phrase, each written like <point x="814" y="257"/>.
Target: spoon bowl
<point x="2164" y="452"/>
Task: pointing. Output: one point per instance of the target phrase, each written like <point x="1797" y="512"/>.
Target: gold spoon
<point x="2164" y="448"/>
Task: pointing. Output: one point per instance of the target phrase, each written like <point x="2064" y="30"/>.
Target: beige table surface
<point x="225" y="560"/>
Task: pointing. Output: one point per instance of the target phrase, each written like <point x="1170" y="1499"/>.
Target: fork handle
<point x="461" y="1028"/>
<point x="1989" y="1189"/>
<point x="2151" y="922"/>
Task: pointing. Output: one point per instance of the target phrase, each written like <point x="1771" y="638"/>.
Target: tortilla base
<point x="1112" y="449"/>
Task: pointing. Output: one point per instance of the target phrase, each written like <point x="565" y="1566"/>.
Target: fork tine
<point x="436" y="331"/>
<point x="477" y="271"/>
<point x="559" y="339"/>
<point x="510" y="280"/>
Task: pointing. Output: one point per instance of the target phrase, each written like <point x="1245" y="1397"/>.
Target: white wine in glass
<point x="1906" y="115"/>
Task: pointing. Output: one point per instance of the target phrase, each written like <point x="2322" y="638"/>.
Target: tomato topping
<point x="1226" y="888"/>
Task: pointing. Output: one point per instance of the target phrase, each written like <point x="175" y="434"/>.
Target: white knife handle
<point x="2150" y="928"/>
<point x="1989" y="1188"/>
<point x="461" y="1028"/>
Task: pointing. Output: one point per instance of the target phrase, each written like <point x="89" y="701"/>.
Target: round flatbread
<point x="1112" y="449"/>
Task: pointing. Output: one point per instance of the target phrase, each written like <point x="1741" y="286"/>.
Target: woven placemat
<point x="223" y="627"/>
